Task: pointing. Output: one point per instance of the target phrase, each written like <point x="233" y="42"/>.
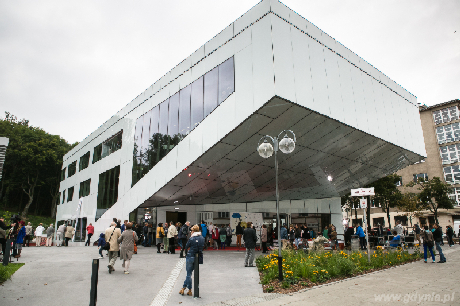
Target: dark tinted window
<point x="70" y="194"/>
<point x="72" y="168"/>
<point x="84" y="188"/>
<point x="84" y="161"/>
<point x="107" y="193"/>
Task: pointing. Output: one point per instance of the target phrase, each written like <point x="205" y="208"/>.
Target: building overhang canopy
<point x="233" y="172"/>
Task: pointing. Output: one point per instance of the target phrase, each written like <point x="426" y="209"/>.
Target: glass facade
<point x="107" y="193"/>
<point x="63" y="174"/>
<point x="70" y="194"/>
<point x="72" y="168"/>
<point x="448" y="133"/>
<point x="84" y="188"/>
<point x="455" y="195"/>
<point x="449" y="154"/>
<point x="445" y="115"/>
<point x="423" y="176"/>
<point x="109" y="146"/>
<point x="452" y="174"/>
<point x="163" y="127"/>
<point x="84" y="162"/>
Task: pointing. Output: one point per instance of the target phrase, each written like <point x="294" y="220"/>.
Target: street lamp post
<point x="265" y="149"/>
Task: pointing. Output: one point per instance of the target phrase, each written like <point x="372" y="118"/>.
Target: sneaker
<point x="110" y="269"/>
<point x="101" y="257"/>
<point x="189" y="293"/>
<point x="425" y="261"/>
<point x="126" y="272"/>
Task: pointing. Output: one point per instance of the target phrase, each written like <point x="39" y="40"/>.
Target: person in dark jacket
<point x="196" y="244"/>
<point x="348" y="235"/>
<point x="239" y="233"/>
<point x="428" y="243"/>
<point x="183" y="236"/>
<point x="250" y="239"/>
<point x="101" y="243"/>
<point x="437" y="235"/>
<point x="145" y="232"/>
<point x="20" y="238"/>
<point x="450" y="234"/>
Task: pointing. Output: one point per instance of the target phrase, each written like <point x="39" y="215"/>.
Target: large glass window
<point x="84" y="161"/>
<point x="450" y="154"/>
<point x="70" y="194"/>
<point x="72" y="168"/>
<point x="63" y="174"/>
<point x="448" y="133"/>
<point x="210" y="90"/>
<point x="107" y="193"/>
<point x="109" y="146"/>
<point x="196" y="103"/>
<point x="184" y="111"/>
<point x="84" y="188"/>
<point x="422" y="176"/>
<point x="452" y="174"/>
<point x="226" y="80"/>
<point x="445" y="115"/>
<point x="455" y="195"/>
<point x="159" y="130"/>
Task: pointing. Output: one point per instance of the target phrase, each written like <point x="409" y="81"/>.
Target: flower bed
<point x="302" y="270"/>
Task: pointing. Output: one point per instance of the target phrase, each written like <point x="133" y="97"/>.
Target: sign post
<point x="361" y="192"/>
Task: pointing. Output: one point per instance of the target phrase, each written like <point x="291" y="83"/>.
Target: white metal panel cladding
<point x="272" y="57"/>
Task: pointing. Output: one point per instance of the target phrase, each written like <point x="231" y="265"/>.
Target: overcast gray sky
<point x="68" y="66"/>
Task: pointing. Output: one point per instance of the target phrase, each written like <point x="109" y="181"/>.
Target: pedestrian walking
<point x="450" y="235"/>
<point x="183" y="237"/>
<point x="428" y="243"/>
<point x="215" y="237"/>
<point x="29" y="234"/>
<point x="204" y="232"/>
<point x="239" y="233"/>
<point x="264" y="238"/>
<point x="172" y="233"/>
<point x="111" y="236"/>
<point x="60" y="235"/>
<point x="165" y="238"/>
<point x="38" y="234"/>
<point x="210" y="233"/>
<point x="49" y="235"/>
<point x="250" y="240"/>
<point x="69" y="232"/>
<point x="20" y="238"/>
<point x="196" y="244"/>
<point x="90" y="230"/>
<point x="100" y="243"/>
<point x="222" y="237"/>
<point x="159" y="236"/>
<point x="361" y="236"/>
<point x="228" y="240"/>
<point x="437" y="236"/>
<point x="129" y="239"/>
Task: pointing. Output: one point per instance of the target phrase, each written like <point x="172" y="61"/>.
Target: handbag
<point x="430" y="243"/>
<point x="106" y="246"/>
<point x="135" y="245"/>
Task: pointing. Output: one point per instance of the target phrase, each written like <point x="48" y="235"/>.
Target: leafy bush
<point x="319" y="267"/>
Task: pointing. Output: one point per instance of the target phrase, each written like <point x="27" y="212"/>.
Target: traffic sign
<point x="363" y="203"/>
<point x="360" y="192"/>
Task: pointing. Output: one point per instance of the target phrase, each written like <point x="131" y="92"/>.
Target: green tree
<point x="387" y="194"/>
<point x="33" y="161"/>
<point x="411" y="205"/>
<point x="434" y="194"/>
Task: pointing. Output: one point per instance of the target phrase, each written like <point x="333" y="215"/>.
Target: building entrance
<point x="176" y="216"/>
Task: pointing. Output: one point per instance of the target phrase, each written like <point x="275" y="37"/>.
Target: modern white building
<point x="187" y="144"/>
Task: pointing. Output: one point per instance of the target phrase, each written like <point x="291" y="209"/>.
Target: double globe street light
<point x="266" y="149"/>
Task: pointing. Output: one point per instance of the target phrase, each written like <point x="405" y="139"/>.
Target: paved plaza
<point x="61" y="276"/>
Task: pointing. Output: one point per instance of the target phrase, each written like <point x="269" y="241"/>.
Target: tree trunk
<point x="30" y="193"/>
<point x="388" y="217"/>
